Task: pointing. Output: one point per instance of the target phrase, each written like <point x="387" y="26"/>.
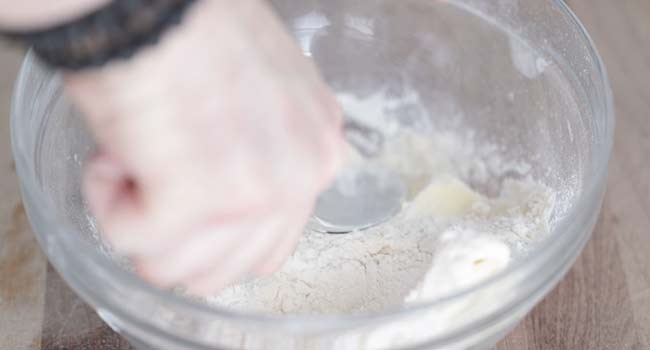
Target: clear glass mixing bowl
<point x="522" y="75"/>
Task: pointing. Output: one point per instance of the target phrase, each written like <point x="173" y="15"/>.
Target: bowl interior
<point x="495" y="73"/>
<point x="450" y="71"/>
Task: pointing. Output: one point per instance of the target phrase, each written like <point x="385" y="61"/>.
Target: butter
<point x="445" y="197"/>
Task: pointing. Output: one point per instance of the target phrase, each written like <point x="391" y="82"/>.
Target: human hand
<point x="212" y="147"/>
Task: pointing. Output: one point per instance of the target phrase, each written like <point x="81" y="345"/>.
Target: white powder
<point x="526" y="60"/>
<point x="378" y="268"/>
<point x="447" y="237"/>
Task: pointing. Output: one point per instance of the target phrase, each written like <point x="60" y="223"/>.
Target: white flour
<point x="378" y="268"/>
<point x="446" y="238"/>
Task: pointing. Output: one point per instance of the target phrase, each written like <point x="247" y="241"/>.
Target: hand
<point x="212" y="147"/>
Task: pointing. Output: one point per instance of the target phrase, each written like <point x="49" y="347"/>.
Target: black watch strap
<point x="116" y="31"/>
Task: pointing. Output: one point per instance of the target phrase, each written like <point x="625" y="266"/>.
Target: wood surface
<point x="602" y="304"/>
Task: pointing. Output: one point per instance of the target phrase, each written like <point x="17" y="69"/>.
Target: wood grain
<point x="22" y="265"/>
<point x="602" y="304"/>
<point x="70" y="324"/>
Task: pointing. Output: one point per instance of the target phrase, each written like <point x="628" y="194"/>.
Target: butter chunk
<point x="446" y="197"/>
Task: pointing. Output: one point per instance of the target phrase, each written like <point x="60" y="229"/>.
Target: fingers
<point x="102" y="183"/>
<point x="117" y="201"/>
<point x="275" y="258"/>
<point x="193" y="254"/>
<point x="210" y="260"/>
<point x="238" y="263"/>
<point x="320" y="154"/>
<point x="333" y="158"/>
<point x="331" y="138"/>
<point x="112" y="196"/>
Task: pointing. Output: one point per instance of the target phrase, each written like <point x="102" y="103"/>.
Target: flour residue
<point x="422" y="258"/>
<point x="526" y="60"/>
<point x="449" y="235"/>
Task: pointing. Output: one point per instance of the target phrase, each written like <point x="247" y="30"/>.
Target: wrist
<point x="30" y="15"/>
<point x="101" y="90"/>
<point x="206" y="24"/>
<point x="117" y="30"/>
<point x="209" y="36"/>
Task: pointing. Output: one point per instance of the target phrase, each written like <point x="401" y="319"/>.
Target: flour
<point x="447" y="237"/>
<point x="469" y="214"/>
<point x="525" y="59"/>
<point x="412" y="258"/>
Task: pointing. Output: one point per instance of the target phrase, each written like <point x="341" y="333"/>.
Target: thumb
<point x="112" y="196"/>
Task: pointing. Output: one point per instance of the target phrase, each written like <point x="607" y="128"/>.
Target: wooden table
<point x="602" y="304"/>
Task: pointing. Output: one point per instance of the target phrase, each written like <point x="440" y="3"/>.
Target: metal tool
<point x="362" y="196"/>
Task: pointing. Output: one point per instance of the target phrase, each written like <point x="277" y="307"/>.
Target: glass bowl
<point x="521" y="75"/>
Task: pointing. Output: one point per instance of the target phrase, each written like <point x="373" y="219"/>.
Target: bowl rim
<point x="546" y="250"/>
